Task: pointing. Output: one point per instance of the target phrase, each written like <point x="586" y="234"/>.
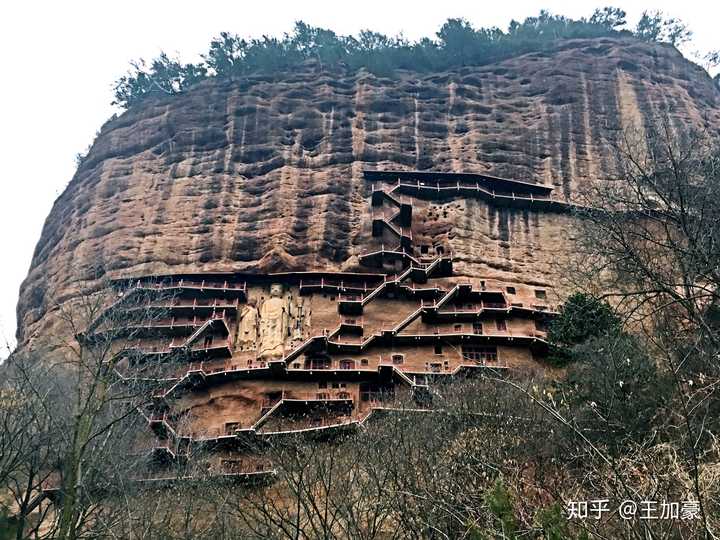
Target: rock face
<point x="264" y="175"/>
<point x="325" y="246"/>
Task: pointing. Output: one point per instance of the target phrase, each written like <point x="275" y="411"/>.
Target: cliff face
<point x="265" y="175"/>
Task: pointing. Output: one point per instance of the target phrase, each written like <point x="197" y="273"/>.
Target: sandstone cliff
<point x="264" y="175"/>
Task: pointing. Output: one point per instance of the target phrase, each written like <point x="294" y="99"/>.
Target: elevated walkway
<point x="404" y="208"/>
<point x="502" y="192"/>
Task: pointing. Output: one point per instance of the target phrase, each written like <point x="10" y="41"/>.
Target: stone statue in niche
<point x="273" y="324"/>
<point x="247" y="331"/>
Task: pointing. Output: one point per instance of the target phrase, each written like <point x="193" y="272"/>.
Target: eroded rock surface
<point x="265" y="175"/>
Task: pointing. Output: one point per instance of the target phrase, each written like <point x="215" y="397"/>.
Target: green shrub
<point x="553" y="522"/>
<point x="582" y="318"/>
<point x="500" y="506"/>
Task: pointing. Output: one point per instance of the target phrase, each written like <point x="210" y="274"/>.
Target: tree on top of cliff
<point x="653" y="27"/>
<point x="457" y="43"/>
<point x="162" y="76"/>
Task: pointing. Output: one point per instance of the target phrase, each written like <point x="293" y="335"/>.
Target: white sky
<point x="59" y="60"/>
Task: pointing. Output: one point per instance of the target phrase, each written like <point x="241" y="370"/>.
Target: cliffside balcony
<point x="245" y="469"/>
<point x="439" y="185"/>
<point x="195" y="376"/>
<point x="138" y="354"/>
<point x="212" y="347"/>
<point x="163" y="453"/>
<point x="319" y="400"/>
<point x="222" y="288"/>
<point x="166" y="326"/>
<point x="160" y="424"/>
<point x="318" y="363"/>
<point x="378" y="398"/>
<point x="296" y="403"/>
<point x="352" y="325"/>
<point x="426" y="294"/>
<point x="334" y="285"/>
<point x="283" y="425"/>
<point x="440" y="266"/>
<point x="383" y="256"/>
<point x="181" y="307"/>
<point x="159" y="401"/>
<point x="350" y="304"/>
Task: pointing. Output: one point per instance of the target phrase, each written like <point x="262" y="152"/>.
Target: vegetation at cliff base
<point x="632" y="416"/>
<point x="457" y="43"/>
<point x="583" y="317"/>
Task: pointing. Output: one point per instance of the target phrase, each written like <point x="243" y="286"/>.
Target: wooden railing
<point x="192" y="284"/>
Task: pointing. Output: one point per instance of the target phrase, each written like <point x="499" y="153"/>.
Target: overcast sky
<point x="59" y="60"/>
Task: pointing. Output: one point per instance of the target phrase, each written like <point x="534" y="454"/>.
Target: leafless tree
<point x="651" y="239"/>
<point x="77" y="404"/>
